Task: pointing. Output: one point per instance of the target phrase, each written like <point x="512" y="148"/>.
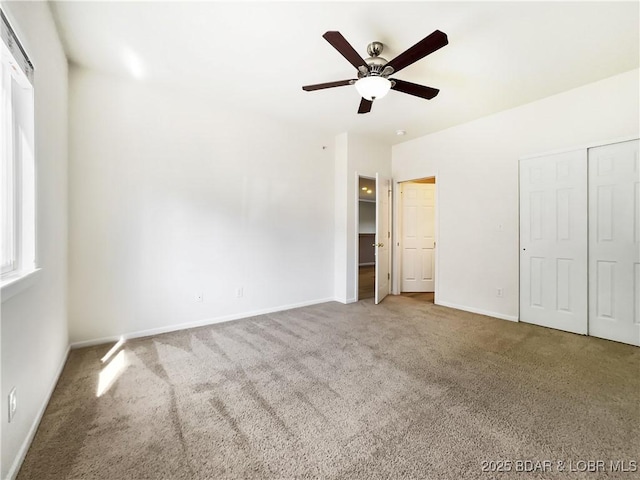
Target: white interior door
<point x="418" y="237"/>
<point x="553" y="241"/>
<point x="383" y="237"/>
<point x="614" y="242"/>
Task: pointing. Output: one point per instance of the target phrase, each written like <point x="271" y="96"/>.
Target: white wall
<point x="367" y="217"/>
<point x="341" y="179"/>
<point x="34" y="322"/>
<point x="172" y="194"/>
<point x="356" y="155"/>
<point x="477" y="173"/>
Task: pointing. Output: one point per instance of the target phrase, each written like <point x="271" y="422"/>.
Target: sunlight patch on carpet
<point x="111" y="372"/>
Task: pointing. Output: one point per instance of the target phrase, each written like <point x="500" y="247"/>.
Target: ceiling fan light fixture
<point x="373" y="87"/>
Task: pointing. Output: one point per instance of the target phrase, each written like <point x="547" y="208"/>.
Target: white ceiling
<point x="257" y="56"/>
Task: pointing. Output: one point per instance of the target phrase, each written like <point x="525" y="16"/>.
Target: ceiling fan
<point x="373" y="73"/>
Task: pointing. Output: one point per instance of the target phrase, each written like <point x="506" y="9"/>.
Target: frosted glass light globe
<point x="373" y="87"/>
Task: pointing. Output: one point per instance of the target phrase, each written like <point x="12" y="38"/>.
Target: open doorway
<point x="366" y="237"/>
<point x="417" y="239"/>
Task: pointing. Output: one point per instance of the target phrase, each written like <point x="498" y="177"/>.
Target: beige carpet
<point x="405" y="389"/>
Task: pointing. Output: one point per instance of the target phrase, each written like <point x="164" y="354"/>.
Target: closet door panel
<point x="553" y="241"/>
<point x="614" y="242"/>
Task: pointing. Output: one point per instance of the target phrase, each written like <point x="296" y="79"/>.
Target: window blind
<point x="11" y="41"/>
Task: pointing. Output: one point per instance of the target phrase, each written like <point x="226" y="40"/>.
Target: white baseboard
<point x="345" y="300"/>
<point x="24" y="448"/>
<point x="501" y="316"/>
<point x="199" y="323"/>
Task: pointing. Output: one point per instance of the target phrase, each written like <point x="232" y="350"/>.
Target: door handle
<point x="377" y="244"/>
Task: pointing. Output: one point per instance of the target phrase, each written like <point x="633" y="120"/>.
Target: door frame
<point x="396" y="254"/>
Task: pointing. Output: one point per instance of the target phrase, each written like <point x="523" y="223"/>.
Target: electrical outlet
<point x="239" y="292"/>
<point x="499" y="292"/>
<point x="13" y="403"/>
<point x="199" y="297"/>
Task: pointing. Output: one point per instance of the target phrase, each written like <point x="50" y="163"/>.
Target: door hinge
<point x="388" y="234"/>
<point x="388" y="276"/>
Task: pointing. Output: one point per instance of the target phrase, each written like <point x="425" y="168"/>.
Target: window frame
<point x="8" y="173"/>
<point x="18" y="169"/>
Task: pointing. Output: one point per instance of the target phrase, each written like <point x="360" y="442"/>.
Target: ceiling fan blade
<point x="320" y="86"/>
<point x="424" y="47"/>
<point x="415" y="89"/>
<point x="340" y="43"/>
<point x="365" y="106"/>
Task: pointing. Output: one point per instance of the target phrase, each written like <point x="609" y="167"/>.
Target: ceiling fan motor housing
<point x="375" y="62"/>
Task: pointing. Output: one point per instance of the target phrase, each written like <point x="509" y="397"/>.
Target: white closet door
<point x="614" y="242"/>
<point x="418" y="237"/>
<point x="553" y="241"/>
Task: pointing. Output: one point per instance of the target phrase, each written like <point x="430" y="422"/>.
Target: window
<point x="17" y="165"/>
